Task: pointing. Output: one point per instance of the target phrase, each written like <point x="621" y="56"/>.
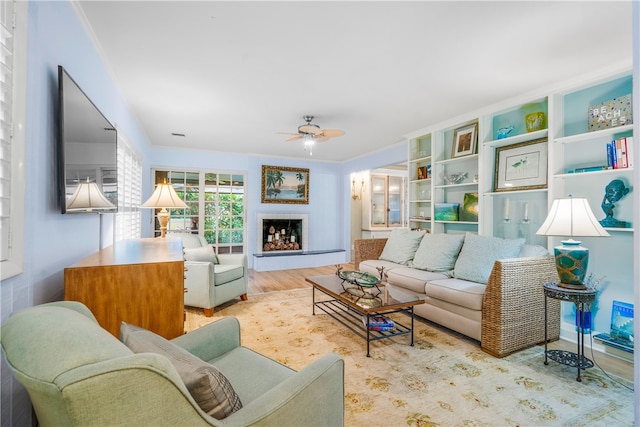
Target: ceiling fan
<point x="311" y="133"/>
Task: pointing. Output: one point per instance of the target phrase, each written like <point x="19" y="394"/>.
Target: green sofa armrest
<point x="513" y="305"/>
<point x="145" y="378"/>
<point x="212" y="340"/>
<point x="314" y="396"/>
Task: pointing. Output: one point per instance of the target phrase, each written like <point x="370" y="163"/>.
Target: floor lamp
<point x="88" y="198"/>
<point x="164" y="197"/>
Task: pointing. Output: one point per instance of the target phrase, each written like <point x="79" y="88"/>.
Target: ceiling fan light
<point x="309" y="142"/>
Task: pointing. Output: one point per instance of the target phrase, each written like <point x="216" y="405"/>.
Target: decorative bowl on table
<point x="359" y="278"/>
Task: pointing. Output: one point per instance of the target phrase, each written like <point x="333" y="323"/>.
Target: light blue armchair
<point x="78" y="374"/>
<point x="211" y="280"/>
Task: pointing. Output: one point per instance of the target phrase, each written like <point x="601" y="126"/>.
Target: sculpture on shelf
<point x="505" y="131"/>
<point x="454" y="178"/>
<point x="614" y="191"/>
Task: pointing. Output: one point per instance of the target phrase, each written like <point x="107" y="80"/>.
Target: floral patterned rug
<point x="444" y="380"/>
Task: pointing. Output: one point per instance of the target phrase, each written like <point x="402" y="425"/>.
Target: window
<point x="13" y="72"/>
<point x="128" y="218"/>
<point x="216" y="207"/>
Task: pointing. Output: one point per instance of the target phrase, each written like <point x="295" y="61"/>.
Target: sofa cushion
<point x="479" y="253"/>
<point x="371" y="266"/>
<point x="401" y="246"/>
<point x="209" y="387"/>
<point x="533" y="251"/>
<point x="203" y="253"/>
<point x="437" y="252"/>
<point x="456" y="291"/>
<point x="413" y="279"/>
<point x="225" y="273"/>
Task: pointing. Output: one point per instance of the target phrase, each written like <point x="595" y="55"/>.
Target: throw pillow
<point x="478" y="254"/>
<point x="533" y="251"/>
<point x="203" y="253"/>
<point x="209" y="387"/>
<point x="437" y="252"/>
<point x="401" y="246"/>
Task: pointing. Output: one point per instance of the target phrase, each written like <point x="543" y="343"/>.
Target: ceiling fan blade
<point x="331" y="133"/>
<point x="294" y="138"/>
<point x="287" y="133"/>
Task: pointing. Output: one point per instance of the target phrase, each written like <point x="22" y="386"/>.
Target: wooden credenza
<point x="137" y="281"/>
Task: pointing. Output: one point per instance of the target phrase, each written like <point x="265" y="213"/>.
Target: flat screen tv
<point x="87" y="153"/>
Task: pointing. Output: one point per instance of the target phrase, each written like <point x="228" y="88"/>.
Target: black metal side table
<point x="582" y="298"/>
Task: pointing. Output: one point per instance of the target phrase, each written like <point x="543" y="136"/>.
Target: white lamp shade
<point x="164" y="196"/>
<point x="88" y="196"/>
<point x="571" y="217"/>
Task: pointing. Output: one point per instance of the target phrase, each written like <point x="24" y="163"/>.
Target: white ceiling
<point x="230" y="75"/>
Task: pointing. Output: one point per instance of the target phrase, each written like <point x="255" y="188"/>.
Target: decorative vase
<point x="535" y="121"/>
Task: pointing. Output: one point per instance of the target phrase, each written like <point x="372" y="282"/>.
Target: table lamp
<point x="571" y="217"/>
<point x="164" y="197"/>
<point x="87" y="197"/>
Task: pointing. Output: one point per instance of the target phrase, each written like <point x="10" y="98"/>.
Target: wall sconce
<point x="354" y="194"/>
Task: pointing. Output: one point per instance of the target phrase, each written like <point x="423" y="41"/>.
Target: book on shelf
<point x="620" y="153"/>
<point x="588" y="169"/>
<point x="378" y="323"/>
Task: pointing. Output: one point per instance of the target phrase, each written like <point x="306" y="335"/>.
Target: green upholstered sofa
<point x="77" y="374"/>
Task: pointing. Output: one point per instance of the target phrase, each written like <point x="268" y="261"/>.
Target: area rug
<point x="443" y="380"/>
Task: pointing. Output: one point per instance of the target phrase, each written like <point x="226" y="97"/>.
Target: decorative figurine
<point x="613" y="192"/>
<point x="505" y="131"/>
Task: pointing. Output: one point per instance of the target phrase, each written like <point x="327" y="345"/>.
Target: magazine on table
<point x="378" y="323"/>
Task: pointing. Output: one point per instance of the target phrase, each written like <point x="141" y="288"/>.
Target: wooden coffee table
<point x="351" y="309"/>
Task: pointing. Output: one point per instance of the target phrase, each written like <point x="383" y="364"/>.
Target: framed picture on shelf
<point x="422" y="172"/>
<point x="521" y="166"/>
<point x="285" y="185"/>
<point x="464" y="140"/>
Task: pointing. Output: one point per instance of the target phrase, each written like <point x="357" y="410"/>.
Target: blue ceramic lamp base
<point x="572" y="260"/>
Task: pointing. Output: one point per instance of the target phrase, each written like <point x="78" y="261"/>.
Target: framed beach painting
<point x="282" y="184"/>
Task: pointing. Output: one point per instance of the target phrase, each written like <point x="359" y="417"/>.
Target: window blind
<point x="128" y="219"/>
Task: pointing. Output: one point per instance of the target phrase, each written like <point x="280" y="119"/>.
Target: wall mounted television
<point x="87" y="149"/>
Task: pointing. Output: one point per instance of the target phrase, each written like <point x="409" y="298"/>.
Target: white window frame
<point x="14" y="262"/>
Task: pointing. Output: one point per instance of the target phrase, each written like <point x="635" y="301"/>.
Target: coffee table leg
<point x="411" y="326"/>
<point x="368" y="335"/>
<point x="313" y="300"/>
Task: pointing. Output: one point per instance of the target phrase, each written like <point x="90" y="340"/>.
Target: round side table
<point x="582" y="298"/>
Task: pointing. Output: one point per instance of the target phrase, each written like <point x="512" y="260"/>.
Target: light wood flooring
<point x="281" y="280"/>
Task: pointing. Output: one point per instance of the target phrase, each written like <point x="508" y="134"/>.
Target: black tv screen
<point x="87" y="153"/>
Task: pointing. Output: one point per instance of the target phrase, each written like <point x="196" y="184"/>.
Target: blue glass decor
<point x="505" y="131"/>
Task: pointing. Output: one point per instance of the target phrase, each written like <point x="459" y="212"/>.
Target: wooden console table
<point x="137" y="281"/>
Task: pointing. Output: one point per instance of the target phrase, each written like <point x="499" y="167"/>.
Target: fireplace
<point x="279" y="233"/>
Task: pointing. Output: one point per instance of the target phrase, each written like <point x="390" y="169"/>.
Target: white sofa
<point x="210" y="279"/>
<point x="486" y="288"/>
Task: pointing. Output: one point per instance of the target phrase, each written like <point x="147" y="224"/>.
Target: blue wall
<point x="54" y="241"/>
